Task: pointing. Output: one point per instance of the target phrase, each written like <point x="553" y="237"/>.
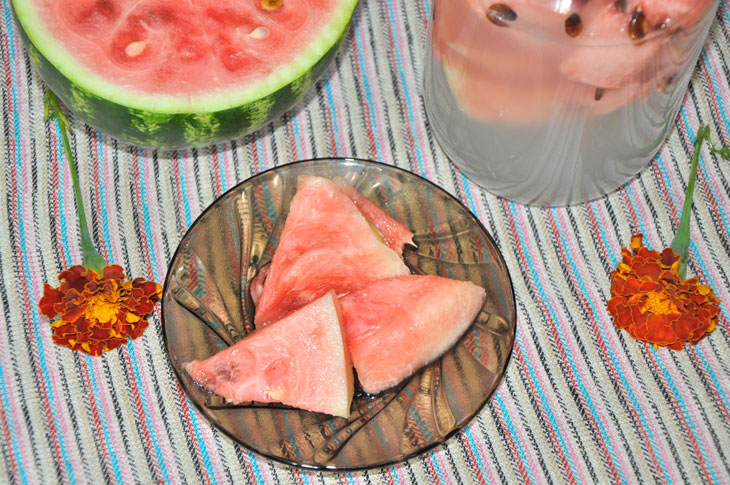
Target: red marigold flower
<point x="98" y="313"/>
<point x="651" y="301"/>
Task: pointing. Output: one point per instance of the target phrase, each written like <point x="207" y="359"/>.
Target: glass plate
<point x="207" y="306"/>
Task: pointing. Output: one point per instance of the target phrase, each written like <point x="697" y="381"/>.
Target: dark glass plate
<point x="206" y="307"/>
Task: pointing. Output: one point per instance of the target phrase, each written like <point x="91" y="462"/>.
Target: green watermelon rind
<point x="168" y="122"/>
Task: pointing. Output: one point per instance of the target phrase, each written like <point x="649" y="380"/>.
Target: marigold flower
<point x="98" y="313"/>
<point x="651" y="301"/>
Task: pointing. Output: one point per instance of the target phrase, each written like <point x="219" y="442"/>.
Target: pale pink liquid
<point x="538" y="116"/>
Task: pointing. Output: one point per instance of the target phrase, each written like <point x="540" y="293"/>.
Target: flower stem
<point x="92" y="258"/>
<point x="680" y="243"/>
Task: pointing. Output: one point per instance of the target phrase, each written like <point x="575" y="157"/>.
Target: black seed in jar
<point x="573" y="25"/>
<point x="666" y="82"/>
<point x="501" y="14"/>
<point x="598" y="94"/>
<point x="638" y="25"/>
<point x="620" y="5"/>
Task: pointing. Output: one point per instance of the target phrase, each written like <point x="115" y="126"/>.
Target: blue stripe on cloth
<point x="366" y="87"/>
<point x="102" y="198"/>
<point x="718" y="385"/>
<point x="183" y="191"/>
<point x="393" y="474"/>
<point x="715" y="87"/>
<point x="153" y="264"/>
<point x="28" y="275"/>
<point x="467" y="192"/>
<point x="431" y="457"/>
<point x="141" y="165"/>
<point x="295" y="131"/>
<point x="475" y="451"/>
<point x="576" y="374"/>
<point x="145" y="410"/>
<point x="221" y="167"/>
<point x="260" y="151"/>
<point x="658" y="357"/>
<point x="102" y="418"/>
<point x="513" y="435"/>
<point x="584" y="290"/>
<point x="255" y="465"/>
<point x="61" y="157"/>
<point x="404" y="85"/>
<point x="11" y="427"/>
<point x="303" y="477"/>
<point x="547" y="406"/>
<point x="332" y="112"/>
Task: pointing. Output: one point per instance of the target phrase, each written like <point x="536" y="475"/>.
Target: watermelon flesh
<point x="395" y="234"/>
<point x="171" y="74"/>
<point x="326" y="244"/>
<point x="300" y="361"/>
<point x="184" y="48"/>
<point x="396" y="326"/>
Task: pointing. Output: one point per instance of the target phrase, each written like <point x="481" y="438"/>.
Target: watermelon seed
<point x="638" y="25"/>
<point x="620" y="5"/>
<point x="259" y="33"/>
<point x="501" y="15"/>
<point x="135" y="48"/>
<point x="666" y="82"/>
<point x="573" y="25"/>
<point x="599" y="94"/>
<point x="271" y="4"/>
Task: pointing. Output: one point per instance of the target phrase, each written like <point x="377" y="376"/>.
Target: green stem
<point x="680" y="244"/>
<point x="92" y="258"/>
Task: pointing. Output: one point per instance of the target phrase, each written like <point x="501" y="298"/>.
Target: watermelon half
<point x="169" y="74"/>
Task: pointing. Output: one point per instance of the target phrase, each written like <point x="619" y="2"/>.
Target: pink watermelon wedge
<point x="326" y="244"/>
<point x="395" y="234"/>
<point x="396" y="326"/>
<point x="301" y="361"/>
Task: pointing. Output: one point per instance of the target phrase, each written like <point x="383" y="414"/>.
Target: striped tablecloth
<point x="580" y="401"/>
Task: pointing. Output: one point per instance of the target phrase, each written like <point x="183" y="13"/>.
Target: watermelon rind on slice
<point x="168" y="121"/>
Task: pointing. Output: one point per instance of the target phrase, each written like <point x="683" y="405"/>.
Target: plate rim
<point x="325" y="468"/>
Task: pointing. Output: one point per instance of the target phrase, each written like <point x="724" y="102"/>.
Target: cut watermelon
<point x="165" y="74"/>
<point x="396" y="326"/>
<point x="395" y="234"/>
<point x="301" y="361"/>
<point x="326" y="244"/>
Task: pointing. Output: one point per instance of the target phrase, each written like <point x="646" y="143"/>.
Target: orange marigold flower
<point x="651" y="301"/>
<point x="98" y="313"/>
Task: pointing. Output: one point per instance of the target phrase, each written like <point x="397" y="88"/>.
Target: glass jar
<point x="558" y="102"/>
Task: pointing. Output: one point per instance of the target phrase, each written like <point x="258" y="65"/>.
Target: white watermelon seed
<point x="259" y="33"/>
<point x="135" y="48"/>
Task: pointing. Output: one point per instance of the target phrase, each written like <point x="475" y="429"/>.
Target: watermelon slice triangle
<point x="301" y="361"/>
<point x="396" y="326"/>
<point x="326" y="244"/>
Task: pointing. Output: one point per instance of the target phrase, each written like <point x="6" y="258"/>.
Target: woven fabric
<point x="580" y="401"/>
